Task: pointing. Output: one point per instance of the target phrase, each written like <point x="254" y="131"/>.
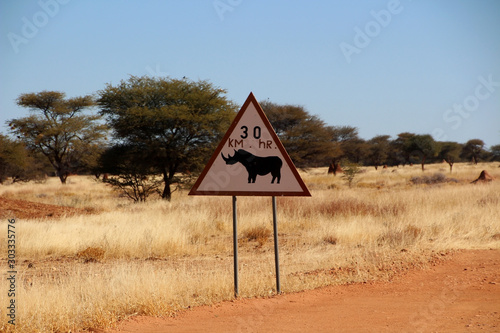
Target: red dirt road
<point x="22" y="209"/>
<point x="461" y="294"/>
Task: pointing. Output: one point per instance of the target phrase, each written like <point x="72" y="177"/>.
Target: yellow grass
<point x="156" y="258"/>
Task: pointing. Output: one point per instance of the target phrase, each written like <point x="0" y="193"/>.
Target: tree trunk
<point x="334" y="167"/>
<point x="167" y="192"/>
<point x="331" y="169"/>
<point x="451" y="166"/>
<point x="62" y="175"/>
<point x="423" y="162"/>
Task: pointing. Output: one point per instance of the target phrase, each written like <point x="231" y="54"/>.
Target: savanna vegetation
<point x="124" y="158"/>
<point x="147" y="133"/>
<point x="121" y="259"/>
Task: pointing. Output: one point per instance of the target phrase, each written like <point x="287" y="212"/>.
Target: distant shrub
<point x="489" y="200"/>
<point x="344" y="207"/>
<point x="436" y="178"/>
<point x="330" y="239"/>
<point x="358" y="207"/>
<point x="400" y="237"/>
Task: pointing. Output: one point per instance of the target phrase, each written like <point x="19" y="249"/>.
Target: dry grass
<point x="260" y="234"/>
<point x="155" y="258"/>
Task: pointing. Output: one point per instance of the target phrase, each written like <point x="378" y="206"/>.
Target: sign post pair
<point x="251" y="161"/>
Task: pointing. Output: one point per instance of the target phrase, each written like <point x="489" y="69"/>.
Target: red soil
<point x="484" y="176"/>
<point x="21" y="209"/>
<point x="461" y="294"/>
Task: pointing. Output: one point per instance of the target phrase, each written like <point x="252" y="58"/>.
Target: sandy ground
<point x="461" y="294"/>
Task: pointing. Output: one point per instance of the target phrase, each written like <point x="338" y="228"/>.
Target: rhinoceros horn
<point x="229" y="159"/>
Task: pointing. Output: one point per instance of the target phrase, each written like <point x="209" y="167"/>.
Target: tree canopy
<point x="473" y="149"/>
<point x="59" y="129"/>
<point x="422" y="145"/>
<point x="346" y="146"/>
<point x="15" y="161"/>
<point x="378" y="150"/>
<point x="176" y="123"/>
<point x="166" y="128"/>
<point x="495" y="152"/>
<point x="306" y="138"/>
<point x="450" y="152"/>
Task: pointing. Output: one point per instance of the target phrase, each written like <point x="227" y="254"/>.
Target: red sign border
<point x="251" y="99"/>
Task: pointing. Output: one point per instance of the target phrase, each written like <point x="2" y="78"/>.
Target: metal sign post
<point x="276" y="254"/>
<point x="235" y="247"/>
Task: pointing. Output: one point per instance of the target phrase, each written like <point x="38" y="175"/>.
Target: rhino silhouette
<point x="256" y="165"/>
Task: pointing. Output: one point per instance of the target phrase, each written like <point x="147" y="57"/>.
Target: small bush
<point x="436" y="178"/>
<point x="91" y="254"/>
<point x="330" y="239"/>
<point x="490" y="200"/>
<point x="350" y="171"/>
<point x="259" y="234"/>
<point x="342" y="207"/>
<point x="358" y="207"/>
<point x="400" y="237"/>
<point x="137" y="187"/>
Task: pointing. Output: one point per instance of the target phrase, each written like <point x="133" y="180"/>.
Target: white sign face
<point x="250" y="160"/>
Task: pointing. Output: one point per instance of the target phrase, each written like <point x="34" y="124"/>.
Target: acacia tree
<point x="423" y="146"/>
<point x="450" y="152"/>
<point x="132" y="174"/>
<point x="306" y="137"/>
<point x="16" y="161"/>
<point x="58" y="129"/>
<point x="346" y="145"/>
<point x="176" y="123"/>
<point x="473" y="149"/>
<point x="13" y="158"/>
<point x="401" y="148"/>
<point x="378" y="150"/>
<point x="495" y="152"/>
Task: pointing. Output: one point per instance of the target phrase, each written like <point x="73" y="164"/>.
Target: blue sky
<point x="385" y="67"/>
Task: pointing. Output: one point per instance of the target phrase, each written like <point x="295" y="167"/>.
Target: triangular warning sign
<point x="250" y="160"/>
